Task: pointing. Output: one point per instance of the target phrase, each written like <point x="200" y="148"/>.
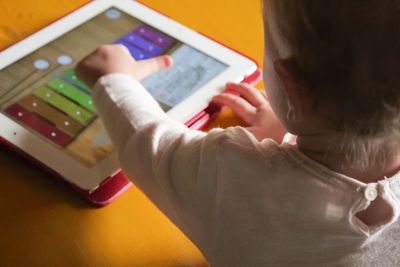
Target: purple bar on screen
<point x="136" y="53"/>
<point x="155" y="36"/>
<point x="143" y="44"/>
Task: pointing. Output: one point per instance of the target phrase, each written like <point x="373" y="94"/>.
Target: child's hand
<point x="253" y="107"/>
<point x="116" y="58"/>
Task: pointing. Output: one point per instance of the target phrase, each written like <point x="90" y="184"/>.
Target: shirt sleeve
<point x="174" y="166"/>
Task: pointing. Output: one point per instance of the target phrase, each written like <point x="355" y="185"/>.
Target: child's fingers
<point x="250" y="93"/>
<point x="153" y="65"/>
<point x="239" y="105"/>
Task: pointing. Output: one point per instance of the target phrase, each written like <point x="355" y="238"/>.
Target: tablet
<point x="47" y="113"/>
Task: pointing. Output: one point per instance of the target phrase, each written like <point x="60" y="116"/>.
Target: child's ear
<point x="297" y="94"/>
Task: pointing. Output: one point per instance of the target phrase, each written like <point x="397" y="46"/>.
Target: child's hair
<point x="348" y="53"/>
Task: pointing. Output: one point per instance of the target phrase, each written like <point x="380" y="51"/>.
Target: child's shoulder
<point x="238" y="138"/>
<point x="238" y="147"/>
<point x="239" y="151"/>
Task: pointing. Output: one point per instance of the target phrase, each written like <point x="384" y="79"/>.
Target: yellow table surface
<point x="42" y="224"/>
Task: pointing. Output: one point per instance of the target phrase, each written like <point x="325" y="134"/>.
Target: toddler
<point x="324" y="194"/>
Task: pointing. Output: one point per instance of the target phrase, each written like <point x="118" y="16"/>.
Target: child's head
<point x="344" y="55"/>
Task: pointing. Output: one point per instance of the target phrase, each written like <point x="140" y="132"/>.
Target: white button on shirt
<point x="244" y="202"/>
<point x="370" y="192"/>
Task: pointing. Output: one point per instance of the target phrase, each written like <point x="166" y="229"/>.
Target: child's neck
<point x="316" y="147"/>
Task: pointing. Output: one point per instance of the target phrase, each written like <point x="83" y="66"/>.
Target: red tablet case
<point x="113" y="186"/>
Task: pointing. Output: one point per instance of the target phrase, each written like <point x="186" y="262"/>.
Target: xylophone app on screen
<point x="42" y="93"/>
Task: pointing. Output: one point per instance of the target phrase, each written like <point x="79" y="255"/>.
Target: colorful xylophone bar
<point x="145" y="42"/>
<point x="58" y="111"/>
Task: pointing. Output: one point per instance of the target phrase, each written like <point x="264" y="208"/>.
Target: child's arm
<point x="174" y="166"/>
<point x="253" y="107"/>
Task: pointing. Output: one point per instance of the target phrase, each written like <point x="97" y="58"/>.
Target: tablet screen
<point x="42" y="93"/>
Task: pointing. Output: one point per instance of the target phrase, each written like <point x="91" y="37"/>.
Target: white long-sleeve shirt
<point x="241" y="201"/>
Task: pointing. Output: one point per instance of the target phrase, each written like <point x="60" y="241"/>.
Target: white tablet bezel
<point x="71" y="169"/>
